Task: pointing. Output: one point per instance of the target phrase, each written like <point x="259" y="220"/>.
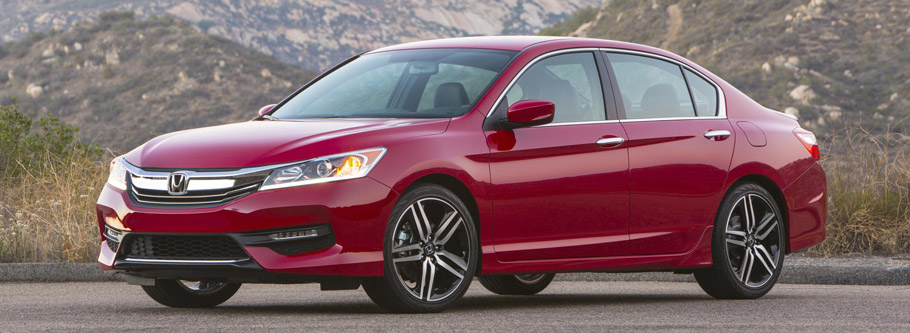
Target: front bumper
<point x="355" y="211"/>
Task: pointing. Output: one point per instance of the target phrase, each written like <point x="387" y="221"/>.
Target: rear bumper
<point x="355" y="212"/>
<point x="807" y="207"/>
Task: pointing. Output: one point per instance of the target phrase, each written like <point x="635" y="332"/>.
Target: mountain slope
<point x="124" y="80"/>
<point x="826" y="60"/>
<point x="311" y="33"/>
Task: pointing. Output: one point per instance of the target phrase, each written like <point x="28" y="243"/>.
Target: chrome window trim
<point x="579" y="123"/>
<point x="721" y="100"/>
<point x="668" y="118"/>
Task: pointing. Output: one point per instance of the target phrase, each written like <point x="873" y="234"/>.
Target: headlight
<point x="324" y="169"/>
<point x="117" y="178"/>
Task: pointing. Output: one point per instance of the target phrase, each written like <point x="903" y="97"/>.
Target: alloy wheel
<point x="431" y="249"/>
<point x="201" y="287"/>
<point x="753" y="240"/>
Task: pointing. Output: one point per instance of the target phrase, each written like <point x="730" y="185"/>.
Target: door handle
<point x="610" y="142"/>
<point x="717" y="134"/>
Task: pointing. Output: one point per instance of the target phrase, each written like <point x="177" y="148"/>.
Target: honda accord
<point x="411" y="169"/>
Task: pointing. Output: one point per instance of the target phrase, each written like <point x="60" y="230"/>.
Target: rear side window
<point x="651" y="88"/>
<point x="704" y="94"/>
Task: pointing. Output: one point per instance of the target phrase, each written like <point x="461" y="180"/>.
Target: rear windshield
<point x="429" y="83"/>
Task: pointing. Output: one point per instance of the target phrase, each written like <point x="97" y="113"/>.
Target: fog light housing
<point x="294" y="234"/>
<point x="114" y="237"/>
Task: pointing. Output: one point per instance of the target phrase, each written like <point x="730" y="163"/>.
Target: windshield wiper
<point x="269" y="117"/>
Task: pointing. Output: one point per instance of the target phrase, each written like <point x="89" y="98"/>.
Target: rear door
<point x="680" y="147"/>
<point x="561" y="190"/>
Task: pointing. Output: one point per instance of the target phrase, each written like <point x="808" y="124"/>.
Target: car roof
<point x="521" y="43"/>
<point x="511" y="43"/>
<point x="517" y="43"/>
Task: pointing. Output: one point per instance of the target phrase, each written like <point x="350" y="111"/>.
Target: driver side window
<point x="571" y="81"/>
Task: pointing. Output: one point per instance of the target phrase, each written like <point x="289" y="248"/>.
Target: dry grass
<point x="51" y="216"/>
<point x="869" y="194"/>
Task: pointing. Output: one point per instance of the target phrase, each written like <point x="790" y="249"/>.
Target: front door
<point x="561" y="190"/>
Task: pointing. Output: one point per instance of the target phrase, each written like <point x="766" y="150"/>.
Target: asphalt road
<point x="564" y="306"/>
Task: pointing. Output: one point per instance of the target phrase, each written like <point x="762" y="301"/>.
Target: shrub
<point x="26" y="144"/>
<point x="48" y="183"/>
<point x="868" y="193"/>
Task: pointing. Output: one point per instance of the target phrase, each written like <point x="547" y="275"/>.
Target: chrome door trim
<point x="717" y="133"/>
<point x="610" y="142"/>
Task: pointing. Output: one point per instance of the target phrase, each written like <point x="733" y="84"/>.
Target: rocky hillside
<point x="825" y="60"/>
<point x="124" y="80"/>
<point x="311" y="33"/>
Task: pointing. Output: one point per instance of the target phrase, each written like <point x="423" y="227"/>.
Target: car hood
<point x="255" y="143"/>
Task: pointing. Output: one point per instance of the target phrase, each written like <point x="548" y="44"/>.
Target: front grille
<point x="183" y="247"/>
<point x="193" y="198"/>
<point x="304" y="245"/>
<point x="152" y="187"/>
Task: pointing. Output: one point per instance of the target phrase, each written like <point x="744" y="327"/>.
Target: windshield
<point x="429" y="83"/>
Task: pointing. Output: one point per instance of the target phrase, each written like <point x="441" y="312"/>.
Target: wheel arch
<point x="455" y="185"/>
<point x="461" y="190"/>
<point x="776" y="193"/>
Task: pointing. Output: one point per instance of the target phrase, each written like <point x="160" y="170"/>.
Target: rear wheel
<point x="430" y="253"/>
<point x="190" y="294"/>
<point x="522" y="284"/>
<point x="747" y="247"/>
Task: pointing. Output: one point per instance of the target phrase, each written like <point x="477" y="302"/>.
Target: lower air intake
<point x="183" y="248"/>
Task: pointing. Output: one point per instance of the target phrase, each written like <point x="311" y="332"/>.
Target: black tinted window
<point x="651" y="88"/>
<point x="570" y="81"/>
<point x="704" y="93"/>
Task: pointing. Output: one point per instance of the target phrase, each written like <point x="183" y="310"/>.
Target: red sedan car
<point x="411" y="169"/>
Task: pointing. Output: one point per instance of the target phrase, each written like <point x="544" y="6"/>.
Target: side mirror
<point x="528" y="113"/>
<point x="266" y="109"/>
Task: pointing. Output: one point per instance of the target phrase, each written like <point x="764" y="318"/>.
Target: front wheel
<point x="430" y="253"/>
<point x="190" y="294"/>
<point x="747" y="247"/>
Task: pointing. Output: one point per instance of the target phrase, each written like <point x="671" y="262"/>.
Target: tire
<point x="426" y="271"/>
<point x="523" y="284"/>
<point x="176" y="294"/>
<point x="748" y="252"/>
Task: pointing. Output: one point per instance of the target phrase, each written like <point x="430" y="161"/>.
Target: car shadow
<point x="492" y="302"/>
<point x="469" y="303"/>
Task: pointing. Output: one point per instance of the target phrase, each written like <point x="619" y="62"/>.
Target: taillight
<point x="808" y="140"/>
